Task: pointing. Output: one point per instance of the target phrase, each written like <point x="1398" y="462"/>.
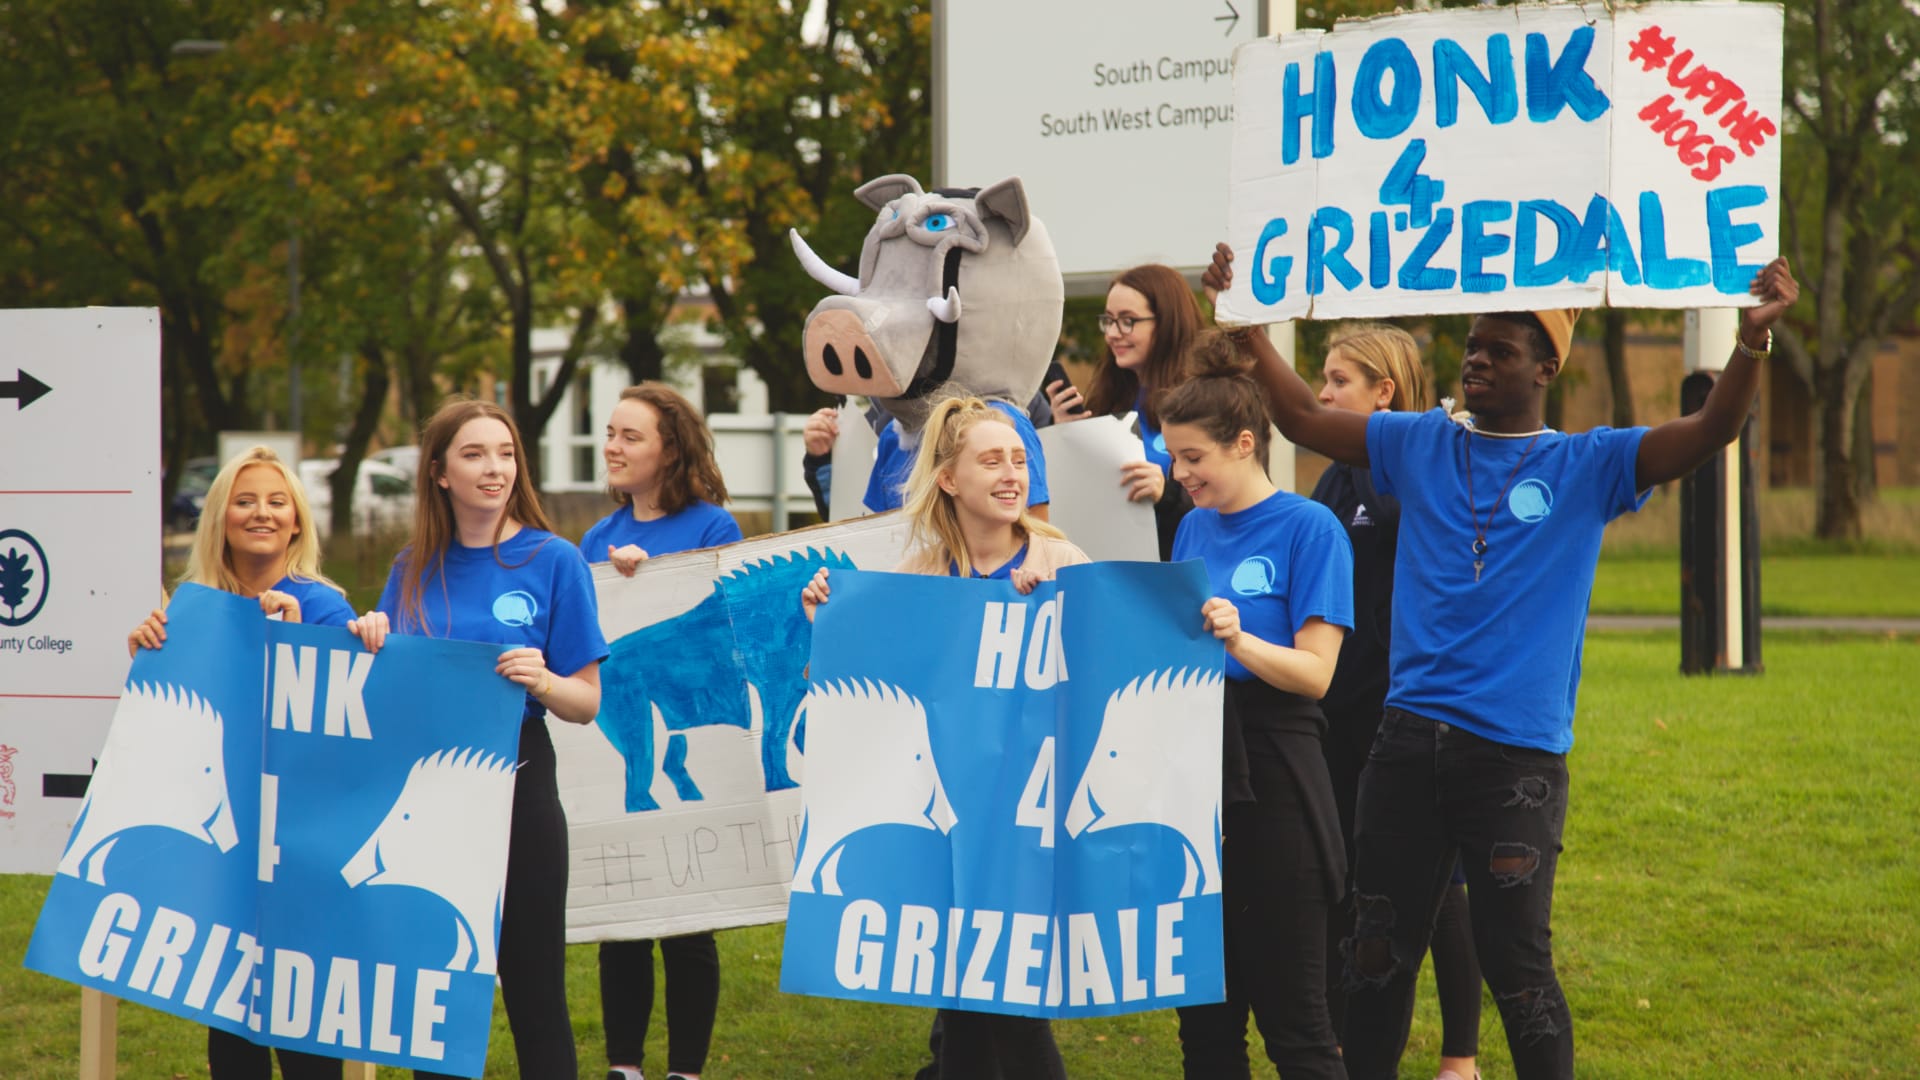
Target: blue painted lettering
<point x="1494" y="88"/>
<point x="1416" y="274"/>
<point x="1528" y="272"/>
<point x="1554" y="84"/>
<point x="1661" y="271"/>
<point x="1477" y="245"/>
<point x="1386" y="117"/>
<point x="1379" y="251"/>
<point x="1270" y="276"/>
<point x="1316" y="104"/>
<point x="1321" y="258"/>
<point x="1725" y="238"/>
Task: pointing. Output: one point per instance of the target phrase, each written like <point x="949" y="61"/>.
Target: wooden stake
<point x="99" y="1032"/>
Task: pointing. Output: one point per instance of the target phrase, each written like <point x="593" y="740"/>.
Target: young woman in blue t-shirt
<point x="484" y="565"/>
<point x="661" y="470"/>
<point x="256" y="538"/>
<point x="1376" y="368"/>
<point x="967" y="501"/>
<point x="1149" y="321"/>
<point x="1281" y="573"/>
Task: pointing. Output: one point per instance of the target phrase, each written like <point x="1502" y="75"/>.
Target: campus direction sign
<point x="1116" y="115"/>
<point x="79" y="552"/>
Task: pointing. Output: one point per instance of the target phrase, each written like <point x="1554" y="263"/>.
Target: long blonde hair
<point x="1387" y="352"/>
<point x="930" y="510"/>
<point x="210" y="562"/>
<point x="433" y="525"/>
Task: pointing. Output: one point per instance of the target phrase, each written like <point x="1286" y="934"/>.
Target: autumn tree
<point x="106" y="135"/>
<point x="1851" y="219"/>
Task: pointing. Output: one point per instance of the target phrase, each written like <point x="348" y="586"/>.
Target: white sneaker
<point x="623" y="1072"/>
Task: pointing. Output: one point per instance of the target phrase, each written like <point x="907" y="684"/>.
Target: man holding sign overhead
<point x="1501" y="519"/>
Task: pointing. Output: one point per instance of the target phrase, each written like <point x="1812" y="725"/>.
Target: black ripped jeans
<point x="1431" y="790"/>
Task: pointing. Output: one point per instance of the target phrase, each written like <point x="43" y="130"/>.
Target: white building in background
<point x="759" y="451"/>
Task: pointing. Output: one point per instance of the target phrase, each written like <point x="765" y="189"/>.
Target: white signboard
<point x="714" y="845"/>
<point x="1089" y="504"/>
<point x="79" y="553"/>
<point x="1116" y="115"/>
<point x="1507" y="159"/>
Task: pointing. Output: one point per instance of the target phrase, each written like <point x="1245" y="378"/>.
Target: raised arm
<point x="1336" y="433"/>
<point x="1678" y="447"/>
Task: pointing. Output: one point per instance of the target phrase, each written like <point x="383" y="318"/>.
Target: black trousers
<point x="1456" y="970"/>
<point x="230" y="1057"/>
<point x="692" y="964"/>
<point x="982" y="1046"/>
<point x="533" y="920"/>
<point x="1432" y="793"/>
<point x="1275" y="900"/>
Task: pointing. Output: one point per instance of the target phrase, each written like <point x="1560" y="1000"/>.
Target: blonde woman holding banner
<point x="256" y="538"/>
<point x="967" y="501"/>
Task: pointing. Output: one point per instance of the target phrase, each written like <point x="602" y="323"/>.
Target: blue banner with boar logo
<point x="1015" y="810"/>
<point x="259" y="783"/>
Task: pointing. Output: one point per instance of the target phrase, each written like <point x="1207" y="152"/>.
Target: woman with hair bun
<point x="967" y="501"/>
<point x="1281" y="575"/>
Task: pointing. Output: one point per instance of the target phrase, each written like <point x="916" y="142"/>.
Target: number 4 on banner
<point x="1036" y="802"/>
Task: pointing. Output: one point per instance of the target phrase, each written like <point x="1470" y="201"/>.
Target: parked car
<point x="183" y="513"/>
<point x="406" y="457"/>
<point x="382" y="494"/>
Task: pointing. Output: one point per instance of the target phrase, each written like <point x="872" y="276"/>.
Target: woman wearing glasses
<point x="1150" y="319"/>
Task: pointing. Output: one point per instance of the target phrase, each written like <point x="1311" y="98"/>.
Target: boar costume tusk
<point x="947" y="308"/>
<point x="818" y="270"/>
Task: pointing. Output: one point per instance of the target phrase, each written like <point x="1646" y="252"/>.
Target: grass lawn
<point x="1884" y="584"/>
<point x="1738" y="896"/>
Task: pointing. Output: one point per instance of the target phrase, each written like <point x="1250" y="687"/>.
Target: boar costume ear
<point x="1006" y="200"/>
<point x="877" y="193"/>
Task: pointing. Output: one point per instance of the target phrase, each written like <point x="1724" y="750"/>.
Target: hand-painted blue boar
<point x="955" y="286"/>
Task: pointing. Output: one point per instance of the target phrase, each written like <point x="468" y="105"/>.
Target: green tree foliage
<point x="107" y="137"/>
<point x="819" y="105"/>
<point x="1851" y="220"/>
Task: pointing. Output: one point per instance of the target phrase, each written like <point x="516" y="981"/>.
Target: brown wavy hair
<point x="433" y="526"/>
<point x="1219" y="395"/>
<point x="1176" y="322"/>
<point x="688" y="471"/>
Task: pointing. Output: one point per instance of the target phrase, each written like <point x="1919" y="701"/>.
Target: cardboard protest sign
<point x="258" y="782"/>
<point x="1506" y="159"/>
<point x="1089" y="503"/>
<point x="682" y="800"/>
<point x="1017" y="810"/>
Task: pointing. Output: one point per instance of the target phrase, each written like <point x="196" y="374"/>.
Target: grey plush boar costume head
<point x="958" y="289"/>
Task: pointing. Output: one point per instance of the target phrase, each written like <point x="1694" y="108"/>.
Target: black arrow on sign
<point x="1231" y="18"/>
<point x="24" y="387"/>
<point x="65" y="785"/>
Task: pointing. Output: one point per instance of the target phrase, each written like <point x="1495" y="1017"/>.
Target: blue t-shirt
<point x="1004" y="573"/>
<point x="699" y="524"/>
<point x="892" y="463"/>
<point x="1151" y="438"/>
<point x="542" y="598"/>
<point x="1501" y="657"/>
<point x="320" y="605"/>
<point x="1281" y="561"/>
